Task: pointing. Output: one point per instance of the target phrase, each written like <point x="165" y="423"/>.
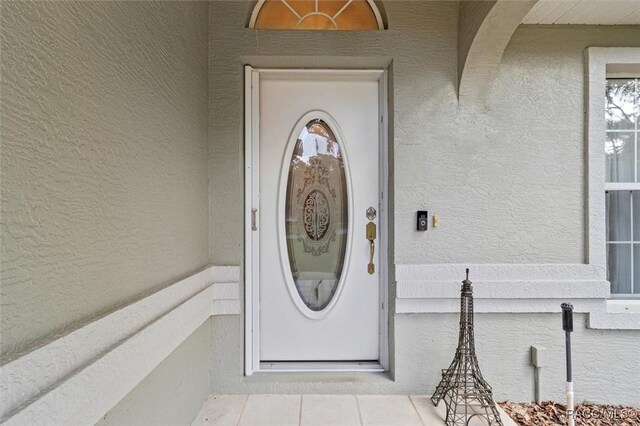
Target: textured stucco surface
<point x="425" y="344"/>
<point x="115" y="137"/>
<point x="174" y="392"/>
<point x="507" y="180"/>
<point x="104" y="159"/>
<point x="472" y="15"/>
<point x="486" y="27"/>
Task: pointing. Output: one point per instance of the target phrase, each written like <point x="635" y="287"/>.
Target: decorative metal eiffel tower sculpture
<point x="464" y="391"/>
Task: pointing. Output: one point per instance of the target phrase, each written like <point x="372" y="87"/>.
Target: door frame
<point x="252" y="242"/>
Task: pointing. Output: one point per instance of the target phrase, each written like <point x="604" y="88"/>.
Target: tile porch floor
<point x="324" y="410"/>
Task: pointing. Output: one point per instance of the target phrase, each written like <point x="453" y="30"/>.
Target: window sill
<point x="623" y="306"/>
<point x="621" y="314"/>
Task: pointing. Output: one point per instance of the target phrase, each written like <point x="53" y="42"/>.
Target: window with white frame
<point x="622" y="187"/>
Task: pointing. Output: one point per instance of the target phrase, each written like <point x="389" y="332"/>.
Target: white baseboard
<point x="78" y="378"/>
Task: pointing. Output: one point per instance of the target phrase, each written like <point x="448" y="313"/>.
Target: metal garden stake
<point x="567" y="326"/>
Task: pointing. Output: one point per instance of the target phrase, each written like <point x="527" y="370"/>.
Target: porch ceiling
<point x="585" y="12"/>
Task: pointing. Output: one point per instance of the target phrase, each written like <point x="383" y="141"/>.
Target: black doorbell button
<point x="423" y="220"/>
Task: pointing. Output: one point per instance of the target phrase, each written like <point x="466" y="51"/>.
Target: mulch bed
<point x="552" y="413"/>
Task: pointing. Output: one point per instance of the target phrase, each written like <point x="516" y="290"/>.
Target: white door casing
<point x="279" y="325"/>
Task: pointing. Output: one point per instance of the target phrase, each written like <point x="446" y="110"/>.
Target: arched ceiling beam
<point x="485" y="29"/>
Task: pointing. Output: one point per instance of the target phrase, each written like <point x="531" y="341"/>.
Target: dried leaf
<point x="549" y="413"/>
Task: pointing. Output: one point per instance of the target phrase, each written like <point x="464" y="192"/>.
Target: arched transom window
<point x="316" y="15"/>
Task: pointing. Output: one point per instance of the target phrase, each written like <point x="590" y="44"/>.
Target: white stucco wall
<point x="491" y="175"/>
<point x="106" y="109"/>
<point x="104" y="159"/>
<point x="174" y="392"/>
<point x="604" y="365"/>
<point x="507" y="180"/>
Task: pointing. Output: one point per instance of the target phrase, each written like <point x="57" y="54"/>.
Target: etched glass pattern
<point x="316" y="214"/>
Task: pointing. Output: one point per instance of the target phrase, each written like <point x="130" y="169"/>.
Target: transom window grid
<point x="622" y="185"/>
<point x="316" y="15"/>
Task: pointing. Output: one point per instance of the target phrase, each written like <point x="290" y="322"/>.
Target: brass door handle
<point x="371" y="236"/>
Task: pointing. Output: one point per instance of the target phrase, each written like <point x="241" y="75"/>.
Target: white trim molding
<point x="598" y="61"/>
<point x="508" y="288"/>
<point x="619" y="315"/>
<point x="252" y="80"/>
<point x="79" y="377"/>
<point x="614" y="321"/>
<point x="503" y="288"/>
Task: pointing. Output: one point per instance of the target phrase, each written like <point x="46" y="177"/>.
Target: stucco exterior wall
<point x="492" y="175"/>
<point x="507" y="180"/>
<point x="425" y="344"/>
<point x="104" y="159"/>
<point x="174" y="392"/>
<point x="122" y="142"/>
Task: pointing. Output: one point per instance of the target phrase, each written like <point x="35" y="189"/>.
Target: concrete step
<point x="325" y="410"/>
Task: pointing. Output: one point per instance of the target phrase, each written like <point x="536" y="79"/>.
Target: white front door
<point x="317" y="225"/>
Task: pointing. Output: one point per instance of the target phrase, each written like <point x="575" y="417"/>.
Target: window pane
<point x="636" y="268"/>
<point x="316" y="15"/>
<point x="636" y="216"/>
<point x="637" y="103"/>
<point x="618" y="205"/>
<point x="621" y="104"/>
<point x="316" y="214"/>
<point x="619" y="267"/>
<point x="619" y="149"/>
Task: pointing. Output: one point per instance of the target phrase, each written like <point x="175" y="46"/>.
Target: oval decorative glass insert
<point x="316" y="214"/>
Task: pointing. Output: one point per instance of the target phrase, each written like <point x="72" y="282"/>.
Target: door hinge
<point x="254" y="225"/>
